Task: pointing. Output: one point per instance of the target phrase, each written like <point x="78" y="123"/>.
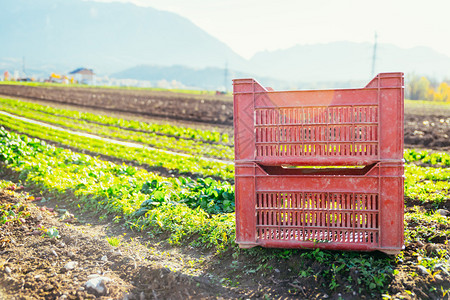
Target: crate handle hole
<point x="318" y="170"/>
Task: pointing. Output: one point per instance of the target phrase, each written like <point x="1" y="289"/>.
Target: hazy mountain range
<point x="126" y="41"/>
<point x="347" y="60"/>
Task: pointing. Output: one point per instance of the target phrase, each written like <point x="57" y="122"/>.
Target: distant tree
<point x="439" y="93"/>
<point x="430" y="94"/>
<point x="417" y="88"/>
<point x="444" y="91"/>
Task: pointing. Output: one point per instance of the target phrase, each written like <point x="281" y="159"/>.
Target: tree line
<point x="423" y="88"/>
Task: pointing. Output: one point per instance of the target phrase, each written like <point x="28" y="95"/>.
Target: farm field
<point x="164" y="206"/>
<point x="204" y="108"/>
<point x="426" y="124"/>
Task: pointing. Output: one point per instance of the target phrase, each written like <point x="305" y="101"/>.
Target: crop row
<point x="187" y="210"/>
<point x="179" y="205"/>
<point x="437" y="158"/>
<point x="421" y="183"/>
<point x="188" y="146"/>
<point x="131" y="191"/>
<point x="162" y="129"/>
<point x="425" y="184"/>
<point x="153" y="158"/>
<point x="161" y="136"/>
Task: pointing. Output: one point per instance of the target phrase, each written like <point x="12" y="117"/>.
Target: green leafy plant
<point x="114" y="241"/>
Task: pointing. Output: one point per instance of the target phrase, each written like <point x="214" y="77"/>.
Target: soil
<point x="425" y="126"/>
<point x="34" y="265"/>
<point x="431" y="132"/>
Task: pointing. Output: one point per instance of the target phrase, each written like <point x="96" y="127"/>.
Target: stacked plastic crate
<point x="320" y="169"/>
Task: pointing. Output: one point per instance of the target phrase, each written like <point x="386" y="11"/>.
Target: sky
<point x="250" y="26"/>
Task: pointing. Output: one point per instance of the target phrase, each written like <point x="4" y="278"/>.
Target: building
<point x="83" y="75"/>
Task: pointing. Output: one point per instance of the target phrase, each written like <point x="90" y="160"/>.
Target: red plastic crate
<point x="281" y="202"/>
<point x="340" y="209"/>
<point x="319" y="127"/>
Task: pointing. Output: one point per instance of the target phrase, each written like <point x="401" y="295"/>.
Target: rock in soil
<point x="97" y="285"/>
<point x="443" y="212"/>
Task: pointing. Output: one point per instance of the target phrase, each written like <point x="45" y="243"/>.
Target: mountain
<point x="124" y="40"/>
<point x="319" y="66"/>
<point x="347" y="61"/>
<point x="210" y="78"/>
<point x="107" y="37"/>
<point x="419" y="60"/>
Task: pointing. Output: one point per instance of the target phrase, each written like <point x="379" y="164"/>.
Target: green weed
<point x="114" y="241"/>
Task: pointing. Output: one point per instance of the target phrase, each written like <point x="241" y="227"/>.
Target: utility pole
<point x="374" y="57"/>
<point x="23" y="66"/>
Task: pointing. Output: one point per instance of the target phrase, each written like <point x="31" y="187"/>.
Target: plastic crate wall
<point x="330" y="208"/>
<point x="320" y="127"/>
<point x="341" y="209"/>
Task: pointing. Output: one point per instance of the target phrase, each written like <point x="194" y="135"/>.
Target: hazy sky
<point x="249" y="26"/>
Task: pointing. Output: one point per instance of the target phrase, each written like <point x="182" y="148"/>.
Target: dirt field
<point x="425" y="126"/>
<point x="188" y="107"/>
<point x="38" y="264"/>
